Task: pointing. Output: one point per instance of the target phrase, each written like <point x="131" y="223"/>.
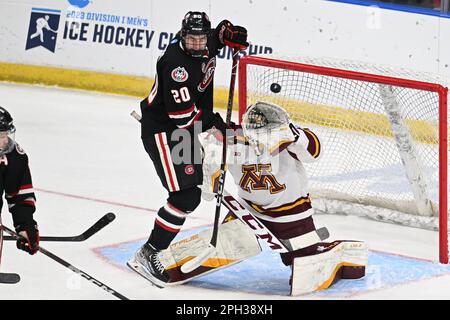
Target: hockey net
<point x="383" y="132"/>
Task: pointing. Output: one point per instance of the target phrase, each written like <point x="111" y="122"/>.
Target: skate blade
<point x="136" y="267"/>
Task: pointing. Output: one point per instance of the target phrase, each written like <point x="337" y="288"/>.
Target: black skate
<point x="147" y="263"/>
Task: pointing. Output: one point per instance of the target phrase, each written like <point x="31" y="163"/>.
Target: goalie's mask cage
<point x="7" y="130"/>
<point x="264" y="115"/>
<point x="383" y="132"/>
<point x="261" y="120"/>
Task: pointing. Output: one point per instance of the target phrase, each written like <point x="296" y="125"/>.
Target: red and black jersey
<point x="16" y="184"/>
<point x="183" y="89"/>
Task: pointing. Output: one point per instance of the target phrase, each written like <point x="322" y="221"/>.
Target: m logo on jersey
<point x="179" y="74"/>
<point x="260" y="177"/>
<point x="208" y="70"/>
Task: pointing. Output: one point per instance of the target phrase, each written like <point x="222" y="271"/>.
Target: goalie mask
<point x="266" y="126"/>
<point x="7" y="132"/>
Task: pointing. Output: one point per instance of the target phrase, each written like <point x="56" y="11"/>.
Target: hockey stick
<point x="197" y="261"/>
<point x="71" y="267"/>
<point x="264" y="234"/>
<point x="9" y="278"/>
<point x="100" y="224"/>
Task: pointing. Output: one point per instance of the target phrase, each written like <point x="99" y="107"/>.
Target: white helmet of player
<point x="266" y="125"/>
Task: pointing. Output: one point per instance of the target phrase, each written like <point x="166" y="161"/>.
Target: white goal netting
<point x="380" y="137"/>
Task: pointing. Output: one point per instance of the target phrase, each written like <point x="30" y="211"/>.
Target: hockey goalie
<point x="266" y="162"/>
<point x="265" y="159"/>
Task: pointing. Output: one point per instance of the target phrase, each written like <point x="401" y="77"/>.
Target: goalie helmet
<point x="266" y="124"/>
<point x="264" y="116"/>
<point x="197" y="24"/>
<point x="7" y="130"/>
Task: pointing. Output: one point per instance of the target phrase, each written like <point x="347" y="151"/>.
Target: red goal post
<point x="321" y="82"/>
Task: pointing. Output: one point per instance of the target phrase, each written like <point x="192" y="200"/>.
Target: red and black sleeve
<point x="19" y="189"/>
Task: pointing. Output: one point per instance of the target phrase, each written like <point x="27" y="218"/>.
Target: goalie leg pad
<point x="338" y="260"/>
<point x="235" y="243"/>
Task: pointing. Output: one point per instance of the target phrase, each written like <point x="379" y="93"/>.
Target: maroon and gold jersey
<point x="271" y="182"/>
<point x="276" y="187"/>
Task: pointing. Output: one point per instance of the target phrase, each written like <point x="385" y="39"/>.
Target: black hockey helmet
<point x="6" y="121"/>
<point x="7" y="126"/>
<point x="195" y="23"/>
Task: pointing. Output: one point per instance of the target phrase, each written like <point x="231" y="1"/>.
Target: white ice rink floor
<point x="87" y="159"/>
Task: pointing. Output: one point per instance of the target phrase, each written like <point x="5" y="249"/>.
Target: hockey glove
<point x="232" y="36"/>
<point x="29" y="240"/>
<point x="220" y="125"/>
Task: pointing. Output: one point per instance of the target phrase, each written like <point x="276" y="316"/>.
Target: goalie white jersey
<point x="271" y="181"/>
<point x="273" y="187"/>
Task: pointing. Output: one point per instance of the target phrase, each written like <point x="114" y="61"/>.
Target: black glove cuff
<point x="23" y="220"/>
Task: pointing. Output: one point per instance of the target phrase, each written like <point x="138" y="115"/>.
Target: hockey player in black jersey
<point x="16" y="184"/>
<point x="181" y="97"/>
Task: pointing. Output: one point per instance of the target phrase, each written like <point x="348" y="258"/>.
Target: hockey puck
<point x="275" y="87"/>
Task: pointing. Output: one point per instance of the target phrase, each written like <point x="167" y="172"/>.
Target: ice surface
<point x="87" y="159"/>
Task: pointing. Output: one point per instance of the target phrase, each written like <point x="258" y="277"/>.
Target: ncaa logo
<point x="179" y="74"/>
<point x="189" y="170"/>
<point x="43" y="29"/>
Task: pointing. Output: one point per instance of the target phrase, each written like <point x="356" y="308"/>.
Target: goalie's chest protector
<point x="270" y="183"/>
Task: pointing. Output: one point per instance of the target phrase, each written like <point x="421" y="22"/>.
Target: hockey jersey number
<point x="181" y="95"/>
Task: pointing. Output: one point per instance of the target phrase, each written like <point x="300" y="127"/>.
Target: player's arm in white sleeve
<point x="306" y="147"/>
<point x="211" y="141"/>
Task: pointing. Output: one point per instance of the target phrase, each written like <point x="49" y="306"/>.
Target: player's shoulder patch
<point x="179" y="74"/>
<point x="19" y="149"/>
<point x="208" y="70"/>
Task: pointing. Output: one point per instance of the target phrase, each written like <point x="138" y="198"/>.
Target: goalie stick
<point x="209" y="251"/>
<point x="9" y="278"/>
<point x="279" y="245"/>
<point x="96" y="227"/>
<point x="262" y="233"/>
<point x="71" y="267"/>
